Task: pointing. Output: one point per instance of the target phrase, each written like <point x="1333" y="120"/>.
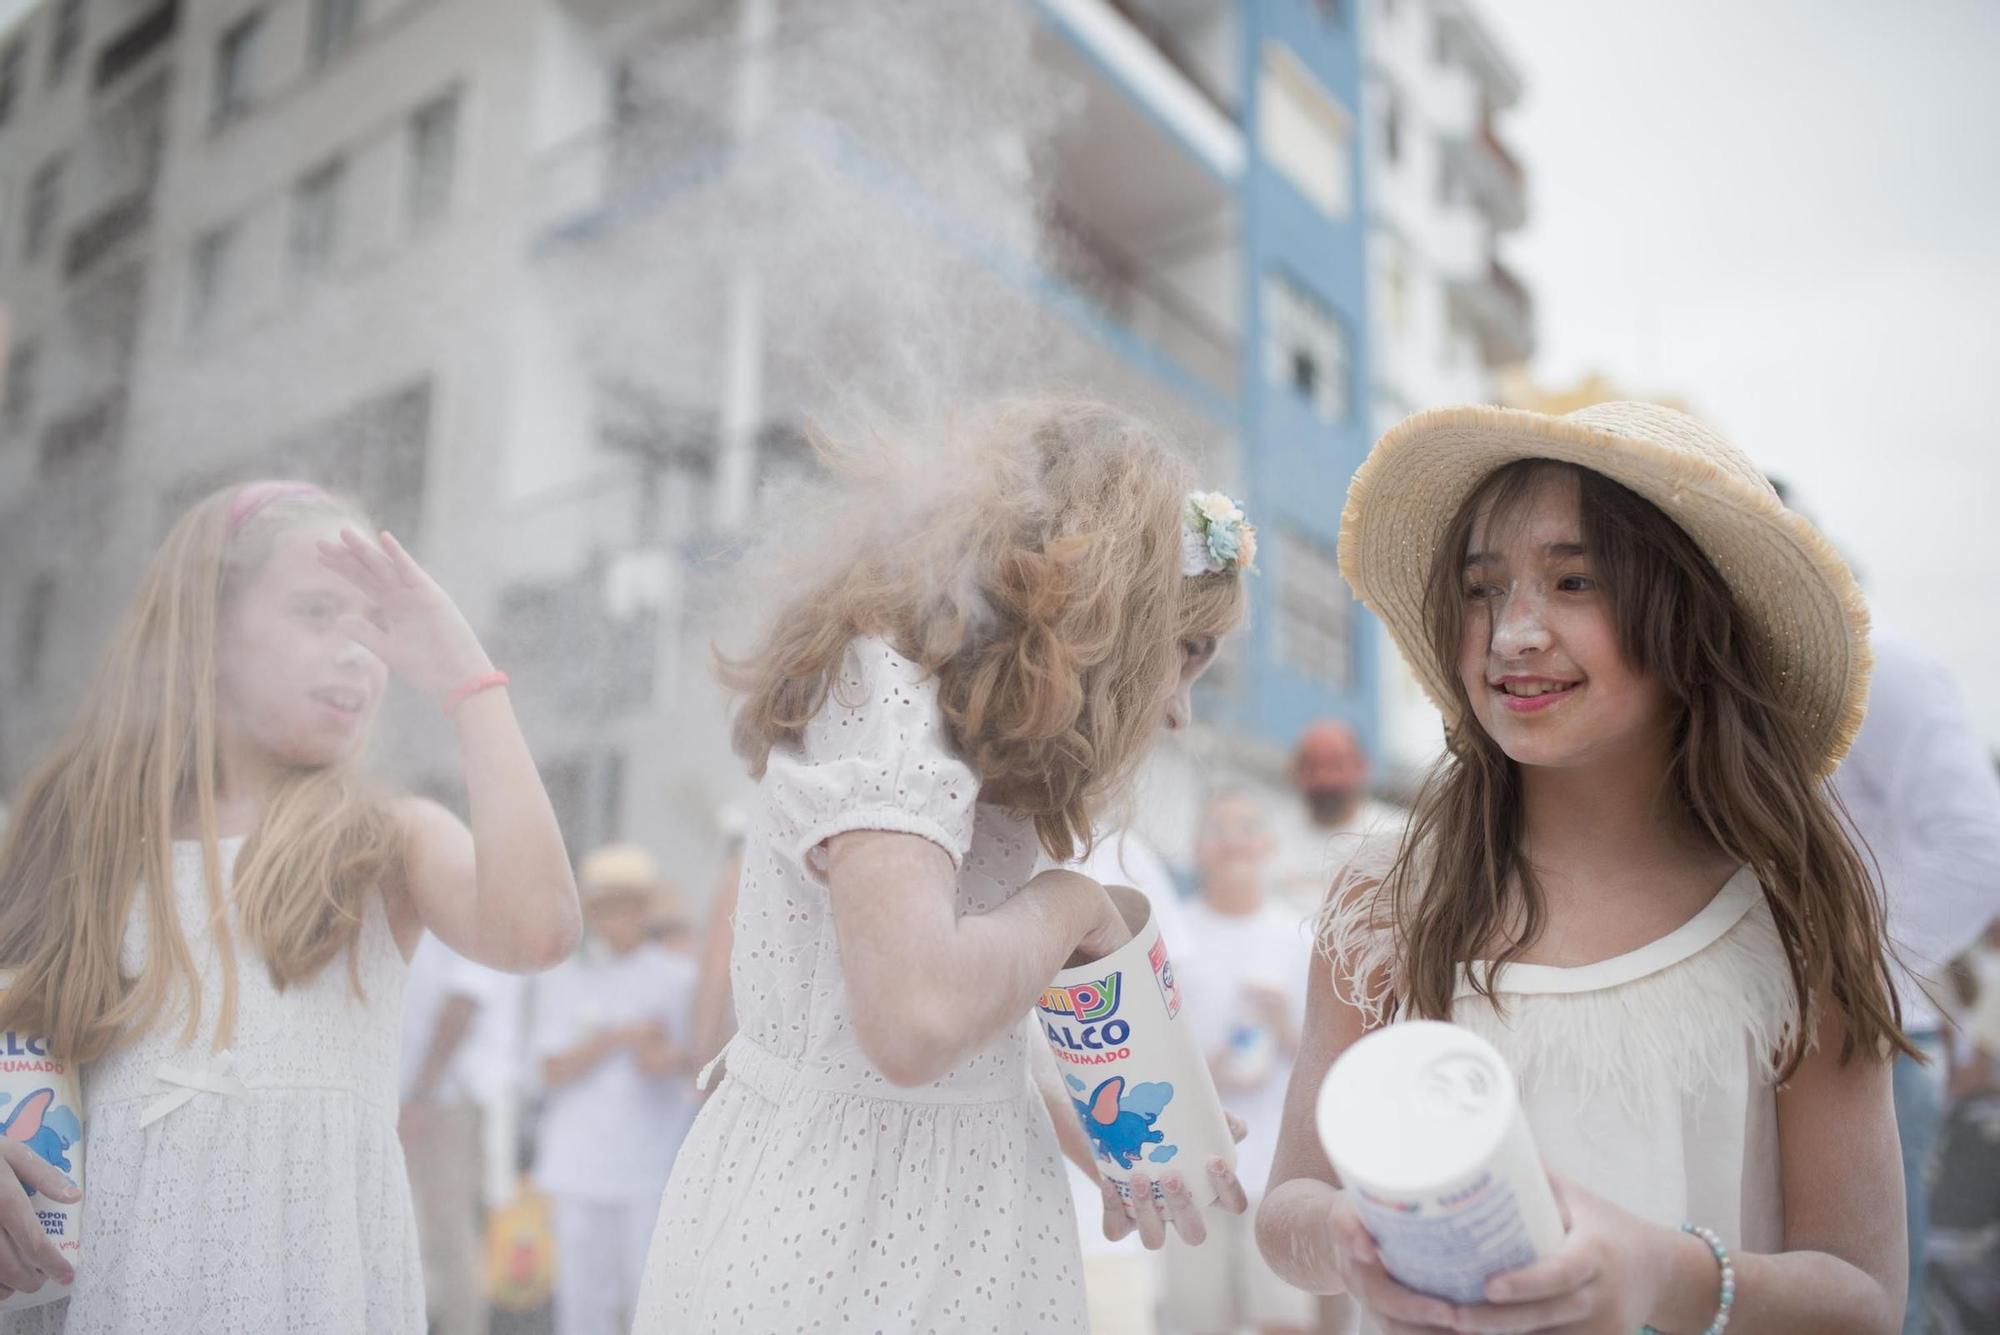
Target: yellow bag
<point x="521" y="1252"/>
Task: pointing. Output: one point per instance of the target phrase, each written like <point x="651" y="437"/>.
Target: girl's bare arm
<point x="927" y="987"/>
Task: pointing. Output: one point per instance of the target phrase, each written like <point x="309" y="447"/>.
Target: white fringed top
<point x="1650" y="1078"/>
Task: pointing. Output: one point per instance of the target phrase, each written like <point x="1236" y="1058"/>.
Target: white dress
<point x="813" y="1195"/>
<point x="273" y="1201"/>
<point x="1649" y="1078"/>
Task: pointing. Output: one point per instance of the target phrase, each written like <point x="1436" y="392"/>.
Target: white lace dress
<point x="813" y="1195"/>
<point x="273" y="1200"/>
<point x="1650" y="1077"/>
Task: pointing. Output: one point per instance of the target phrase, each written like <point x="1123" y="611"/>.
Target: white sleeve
<point x="552" y="1029"/>
<point x="877" y="756"/>
<point x="1947" y="809"/>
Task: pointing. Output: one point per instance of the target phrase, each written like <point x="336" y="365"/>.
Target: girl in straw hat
<point x="1627" y="874"/>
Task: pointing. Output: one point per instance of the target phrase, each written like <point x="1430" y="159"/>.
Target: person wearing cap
<point x="1628" y="876"/>
<point x="610" y="1036"/>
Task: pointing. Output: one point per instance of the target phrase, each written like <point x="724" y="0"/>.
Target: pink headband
<point x="254" y="496"/>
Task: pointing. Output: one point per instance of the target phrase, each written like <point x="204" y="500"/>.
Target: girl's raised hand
<point x="412" y="625"/>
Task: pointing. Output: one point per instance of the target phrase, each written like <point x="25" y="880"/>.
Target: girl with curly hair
<point x="955" y="685"/>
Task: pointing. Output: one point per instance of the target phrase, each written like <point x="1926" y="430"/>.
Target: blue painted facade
<point x="1295" y="468"/>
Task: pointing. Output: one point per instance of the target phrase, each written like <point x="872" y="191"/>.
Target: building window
<point x="44" y="203"/>
<point x="1305" y="349"/>
<point x="10" y="79"/>
<point x="333" y="26"/>
<point x="316" y="219"/>
<point x="37" y="614"/>
<point x="1315" y="612"/>
<point x="433" y="159"/>
<point x="18" y="405"/>
<point x="236" y="69"/>
<point x="1305" y="133"/>
<point x="1392" y="130"/>
<point x="68" y="36"/>
<point x="209" y="276"/>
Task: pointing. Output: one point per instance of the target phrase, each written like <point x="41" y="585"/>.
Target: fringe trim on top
<point x="1356" y="930"/>
<point x="1684" y="1026"/>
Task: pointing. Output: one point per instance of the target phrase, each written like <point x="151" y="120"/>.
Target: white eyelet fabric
<point x="280" y="1210"/>
<point x="813" y="1195"/>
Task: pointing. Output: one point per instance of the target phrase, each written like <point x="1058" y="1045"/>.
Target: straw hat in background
<point x="1792" y="586"/>
<point x="619" y="869"/>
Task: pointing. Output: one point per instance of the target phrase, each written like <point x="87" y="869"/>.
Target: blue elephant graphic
<point x="29" y="1124"/>
<point x="1121" y="1126"/>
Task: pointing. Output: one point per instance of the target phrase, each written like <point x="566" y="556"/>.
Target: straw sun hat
<point x="619" y="869"/>
<point x="1790" y="583"/>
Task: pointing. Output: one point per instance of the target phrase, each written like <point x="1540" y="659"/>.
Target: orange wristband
<point x="465" y="689"/>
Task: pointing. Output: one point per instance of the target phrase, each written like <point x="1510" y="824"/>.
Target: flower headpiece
<point x="1215" y="536"/>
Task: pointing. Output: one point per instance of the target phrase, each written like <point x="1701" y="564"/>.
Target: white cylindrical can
<point x="1423" y="1123"/>
<point x="1131" y="1066"/>
<point x="41" y="1106"/>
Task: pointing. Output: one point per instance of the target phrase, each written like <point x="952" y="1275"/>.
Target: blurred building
<point x="559" y="287"/>
<point x="1448" y="316"/>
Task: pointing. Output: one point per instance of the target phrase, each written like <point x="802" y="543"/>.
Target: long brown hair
<point x="1044" y="592"/>
<point x="93" y="828"/>
<point x="1740" y="765"/>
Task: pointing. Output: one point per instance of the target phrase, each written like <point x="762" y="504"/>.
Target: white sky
<point x="1788" y="214"/>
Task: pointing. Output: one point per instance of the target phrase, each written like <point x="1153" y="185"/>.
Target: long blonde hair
<point x="94" y="824"/>
<point x="1043" y="590"/>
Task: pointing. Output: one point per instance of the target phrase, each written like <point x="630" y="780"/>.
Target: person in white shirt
<point x="1330" y="773"/>
<point x="1925" y="798"/>
<point x="461" y="1031"/>
<point x="611" y="1037"/>
<point x="1246" y="990"/>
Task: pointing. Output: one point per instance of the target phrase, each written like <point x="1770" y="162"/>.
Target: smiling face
<point x="293" y="690"/>
<point x="1538" y="647"/>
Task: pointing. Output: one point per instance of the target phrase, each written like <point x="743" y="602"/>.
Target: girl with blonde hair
<point x="963" y="682"/>
<point x="1628" y="875"/>
<point x="204" y="902"/>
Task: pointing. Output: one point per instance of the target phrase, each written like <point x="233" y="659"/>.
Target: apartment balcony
<point x="1143" y="230"/>
<point x="1497" y="306"/>
<point x="105" y="232"/>
<point x="1198" y="38"/>
<point x="1459" y="241"/>
<point x="141" y="40"/>
<point x="1176" y="59"/>
<point x="1464" y="40"/>
<point x="85" y="435"/>
<point x="1491" y="177"/>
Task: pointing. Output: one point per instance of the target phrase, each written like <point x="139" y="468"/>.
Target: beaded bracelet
<point x="1728" y="1298"/>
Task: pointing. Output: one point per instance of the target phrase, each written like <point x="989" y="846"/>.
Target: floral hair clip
<point x="1215" y="536"/>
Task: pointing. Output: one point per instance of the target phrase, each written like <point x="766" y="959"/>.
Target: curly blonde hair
<point x="1039" y="582"/>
